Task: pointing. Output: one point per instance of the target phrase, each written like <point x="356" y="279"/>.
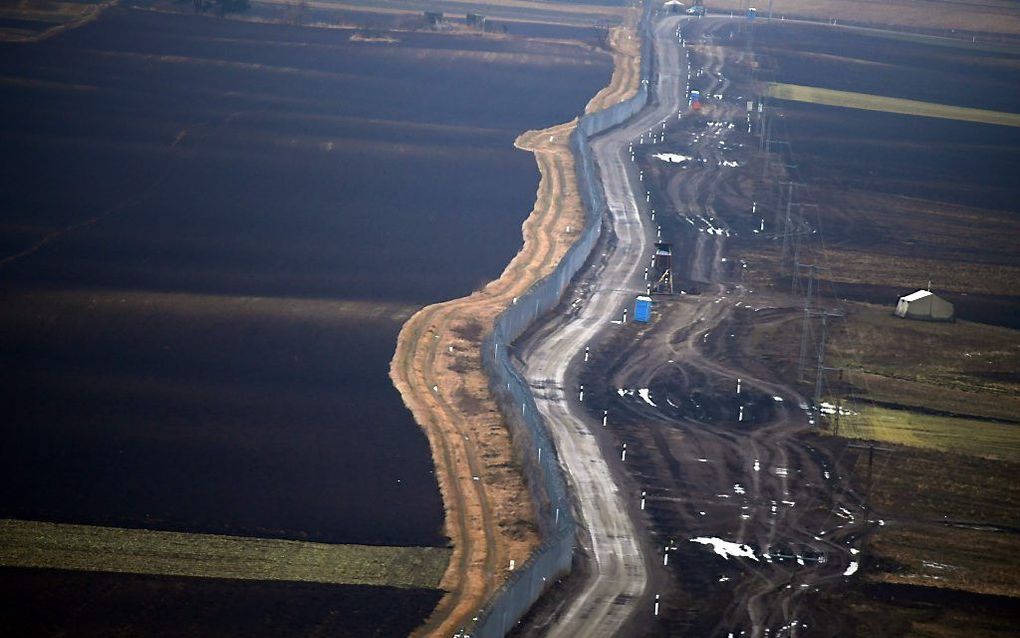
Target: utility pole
<point x="796" y="244"/>
<point x="820" y="368"/>
<point x="870" y="447"/>
<point x="787" y="224"/>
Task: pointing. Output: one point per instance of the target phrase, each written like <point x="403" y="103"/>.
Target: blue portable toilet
<point x="643" y="309"/>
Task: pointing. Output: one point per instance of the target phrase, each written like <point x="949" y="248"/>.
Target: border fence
<point x="533" y="446"/>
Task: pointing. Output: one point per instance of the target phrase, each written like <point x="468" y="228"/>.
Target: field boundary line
<point x="868" y="102"/>
<point x="45" y="545"/>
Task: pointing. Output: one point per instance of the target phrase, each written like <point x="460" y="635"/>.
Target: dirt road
<point x="752" y="521"/>
<point x="616" y="583"/>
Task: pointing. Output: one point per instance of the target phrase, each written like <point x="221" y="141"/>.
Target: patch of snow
<point x="757" y="465"/>
<point x="739" y="489"/>
<point x="643" y="393"/>
<point x="828" y="408"/>
<point x="672" y="158"/>
<point x="852" y="569"/>
<point x="726" y="548"/>
<point x="776" y="399"/>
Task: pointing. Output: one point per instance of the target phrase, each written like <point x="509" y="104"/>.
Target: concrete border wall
<point x="533" y="446"/>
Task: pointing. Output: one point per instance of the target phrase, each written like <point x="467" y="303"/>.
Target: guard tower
<point x="663" y="269"/>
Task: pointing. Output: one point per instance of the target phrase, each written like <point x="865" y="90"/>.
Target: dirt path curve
<point x="738" y="477"/>
<point x="437" y="369"/>
<point x="616" y="582"/>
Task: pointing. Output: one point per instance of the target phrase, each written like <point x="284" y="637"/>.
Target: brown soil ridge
<point x="85" y="13"/>
<point x="626" y="50"/>
<point x="437" y="369"/>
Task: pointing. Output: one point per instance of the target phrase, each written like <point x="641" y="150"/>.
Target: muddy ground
<point x="60" y="603"/>
<point x="751" y="467"/>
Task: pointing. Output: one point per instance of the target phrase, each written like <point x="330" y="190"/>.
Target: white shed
<point x="924" y="305"/>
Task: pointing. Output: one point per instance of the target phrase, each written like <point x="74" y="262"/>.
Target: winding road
<point x="738" y="483"/>
<point x="618" y="574"/>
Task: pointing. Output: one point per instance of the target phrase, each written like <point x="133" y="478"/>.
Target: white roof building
<point x="924" y="305"/>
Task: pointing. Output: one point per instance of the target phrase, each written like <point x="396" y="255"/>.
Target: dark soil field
<point x="205" y="189"/>
<point x="56" y="603"/>
<point x="903" y="201"/>
<point x="211" y="232"/>
<point x="929" y="70"/>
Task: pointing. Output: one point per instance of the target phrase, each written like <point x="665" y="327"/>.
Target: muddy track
<point x="726" y="471"/>
<point x="615" y="581"/>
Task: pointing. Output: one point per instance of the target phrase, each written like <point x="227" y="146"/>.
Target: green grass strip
<point x="847" y="99"/>
<point x="971" y="437"/>
<point x="140" y="551"/>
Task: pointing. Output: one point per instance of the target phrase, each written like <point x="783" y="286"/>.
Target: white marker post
<point x="738" y="385"/>
<point x="623" y="453"/>
<point x="605" y="417"/>
<point x="646" y="274"/>
<point x="656" y="603"/>
<point x="641" y="176"/>
<point x="624" y="315"/>
<point x="580" y="396"/>
<point x="642" y="501"/>
<point x="665" y="556"/>
<point x="741" y="417"/>
<point x="587" y="351"/>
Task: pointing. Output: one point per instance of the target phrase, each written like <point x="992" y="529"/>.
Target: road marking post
<point x="642" y="501"/>
<point x="623" y="453"/>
